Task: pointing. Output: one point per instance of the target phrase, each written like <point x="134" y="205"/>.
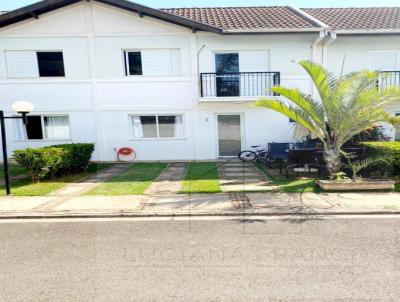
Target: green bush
<point x="49" y="162"/>
<point x="77" y="156"/>
<point x="386" y="149"/>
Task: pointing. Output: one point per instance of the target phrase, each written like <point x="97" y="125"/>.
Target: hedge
<point x="386" y="149"/>
<point x="51" y="161"/>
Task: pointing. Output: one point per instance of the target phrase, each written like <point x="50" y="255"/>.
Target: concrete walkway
<point x="307" y="204"/>
<point x="239" y="176"/>
<point x="169" y="181"/>
<point x="88" y="183"/>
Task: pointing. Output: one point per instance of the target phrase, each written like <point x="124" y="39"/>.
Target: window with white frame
<point x="157" y="126"/>
<point x="31" y="64"/>
<point x="152" y="62"/>
<point x="43" y="127"/>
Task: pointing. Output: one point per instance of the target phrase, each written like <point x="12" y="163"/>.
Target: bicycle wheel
<point x="262" y="157"/>
<point x="247" y="156"/>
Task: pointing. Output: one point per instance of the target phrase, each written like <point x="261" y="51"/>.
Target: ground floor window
<point x="157" y="126"/>
<point x="43" y="127"/>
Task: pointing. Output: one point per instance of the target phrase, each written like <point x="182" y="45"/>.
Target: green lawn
<point x="201" y="178"/>
<point x="135" y="181"/>
<point x="290" y="185"/>
<point x="25" y="187"/>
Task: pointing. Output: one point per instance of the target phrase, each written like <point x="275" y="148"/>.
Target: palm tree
<point x="346" y="106"/>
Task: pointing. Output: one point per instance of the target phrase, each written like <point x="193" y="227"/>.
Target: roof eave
<point x="161" y="15"/>
<point x="367" y="31"/>
<point x="33" y="10"/>
<point x="45" y="6"/>
<point x="272" y="30"/>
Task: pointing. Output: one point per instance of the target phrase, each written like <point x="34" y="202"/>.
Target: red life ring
<point x="125" y="151"/>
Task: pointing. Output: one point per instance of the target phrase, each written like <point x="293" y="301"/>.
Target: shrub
<point x="385" y="149"/>
<point x="49" y="162"/>
<point x="77" y="156"/>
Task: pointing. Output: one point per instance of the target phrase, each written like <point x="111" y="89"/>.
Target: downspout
<point x="331" y="39"/>
<point x="198" y="68"/>
<point x="315" y="44"/>
<point x="195" y="134"/>
<point x="314" y="52"/>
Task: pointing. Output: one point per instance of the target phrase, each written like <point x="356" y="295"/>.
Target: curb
<point x="172" y="215"/>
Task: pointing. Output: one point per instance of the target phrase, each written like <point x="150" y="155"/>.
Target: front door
<point x="229" y="135"/>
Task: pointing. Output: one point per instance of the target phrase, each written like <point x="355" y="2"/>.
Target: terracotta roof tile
<point x="363" y="18"/>
<point x="235" y="18"/>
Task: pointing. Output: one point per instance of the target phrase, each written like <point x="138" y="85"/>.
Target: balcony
<point x="388" y="78"/>
<point x="238" y="84"/>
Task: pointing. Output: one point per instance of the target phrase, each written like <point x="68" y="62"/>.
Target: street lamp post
<point x="22" y="108"/>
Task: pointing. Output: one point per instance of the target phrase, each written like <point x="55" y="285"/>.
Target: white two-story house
<point x="174" y="84"/>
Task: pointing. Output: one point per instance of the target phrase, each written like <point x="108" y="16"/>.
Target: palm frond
<point x="294" y="113"/>
<point x="303" y="101"/>
<point x="323" y="80"/>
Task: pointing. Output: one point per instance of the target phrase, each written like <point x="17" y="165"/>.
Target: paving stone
<point x="169" y="181"/>
<point x="240" y="176"/>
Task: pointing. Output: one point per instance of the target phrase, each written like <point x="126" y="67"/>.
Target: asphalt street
<point x="286" y="259"/>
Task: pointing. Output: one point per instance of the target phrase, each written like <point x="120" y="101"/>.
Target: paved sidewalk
<point x="200" y="205"/>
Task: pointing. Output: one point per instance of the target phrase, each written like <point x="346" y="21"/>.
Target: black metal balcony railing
<point x="238" y="84"/>
<point x="388" y="78"/>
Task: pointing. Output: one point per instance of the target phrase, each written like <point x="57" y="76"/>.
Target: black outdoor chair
<point x="303" y="161"/>
<point x="304" y="145"/>
<point x="278" y="152"/>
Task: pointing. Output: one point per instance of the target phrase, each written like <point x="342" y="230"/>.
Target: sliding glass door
<point x="227" y="74"/>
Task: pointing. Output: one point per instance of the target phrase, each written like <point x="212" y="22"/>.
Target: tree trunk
<point x="332" y="159"/>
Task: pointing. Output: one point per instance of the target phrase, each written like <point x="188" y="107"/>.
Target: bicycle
<point x="260" y="155"/>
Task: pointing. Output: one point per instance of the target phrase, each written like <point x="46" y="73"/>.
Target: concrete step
<point x="242" y="175"/>
<point x="239" y="170"/>
<point x="236" y="177"/>
<point x="238" y="165"/>
<point x="226" y="181"/>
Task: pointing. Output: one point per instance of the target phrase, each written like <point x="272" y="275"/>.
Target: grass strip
<point x="134" y="181"/>
<point x="201" y="178"/>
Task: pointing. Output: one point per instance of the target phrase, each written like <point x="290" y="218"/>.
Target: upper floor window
<point x="153" y="62"/>
<point x="31" y="64"/>
<point x="133" y="61"/>
<point x="241" y="73"/>
<point x="43" y="127"/>
<point x="51" y="64"/>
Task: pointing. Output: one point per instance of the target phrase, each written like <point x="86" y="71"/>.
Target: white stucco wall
<point x="99" y="98"/>
<point x="353" y="52"/>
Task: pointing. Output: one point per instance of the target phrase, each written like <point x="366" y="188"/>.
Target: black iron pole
<point x="4" y="147"/>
